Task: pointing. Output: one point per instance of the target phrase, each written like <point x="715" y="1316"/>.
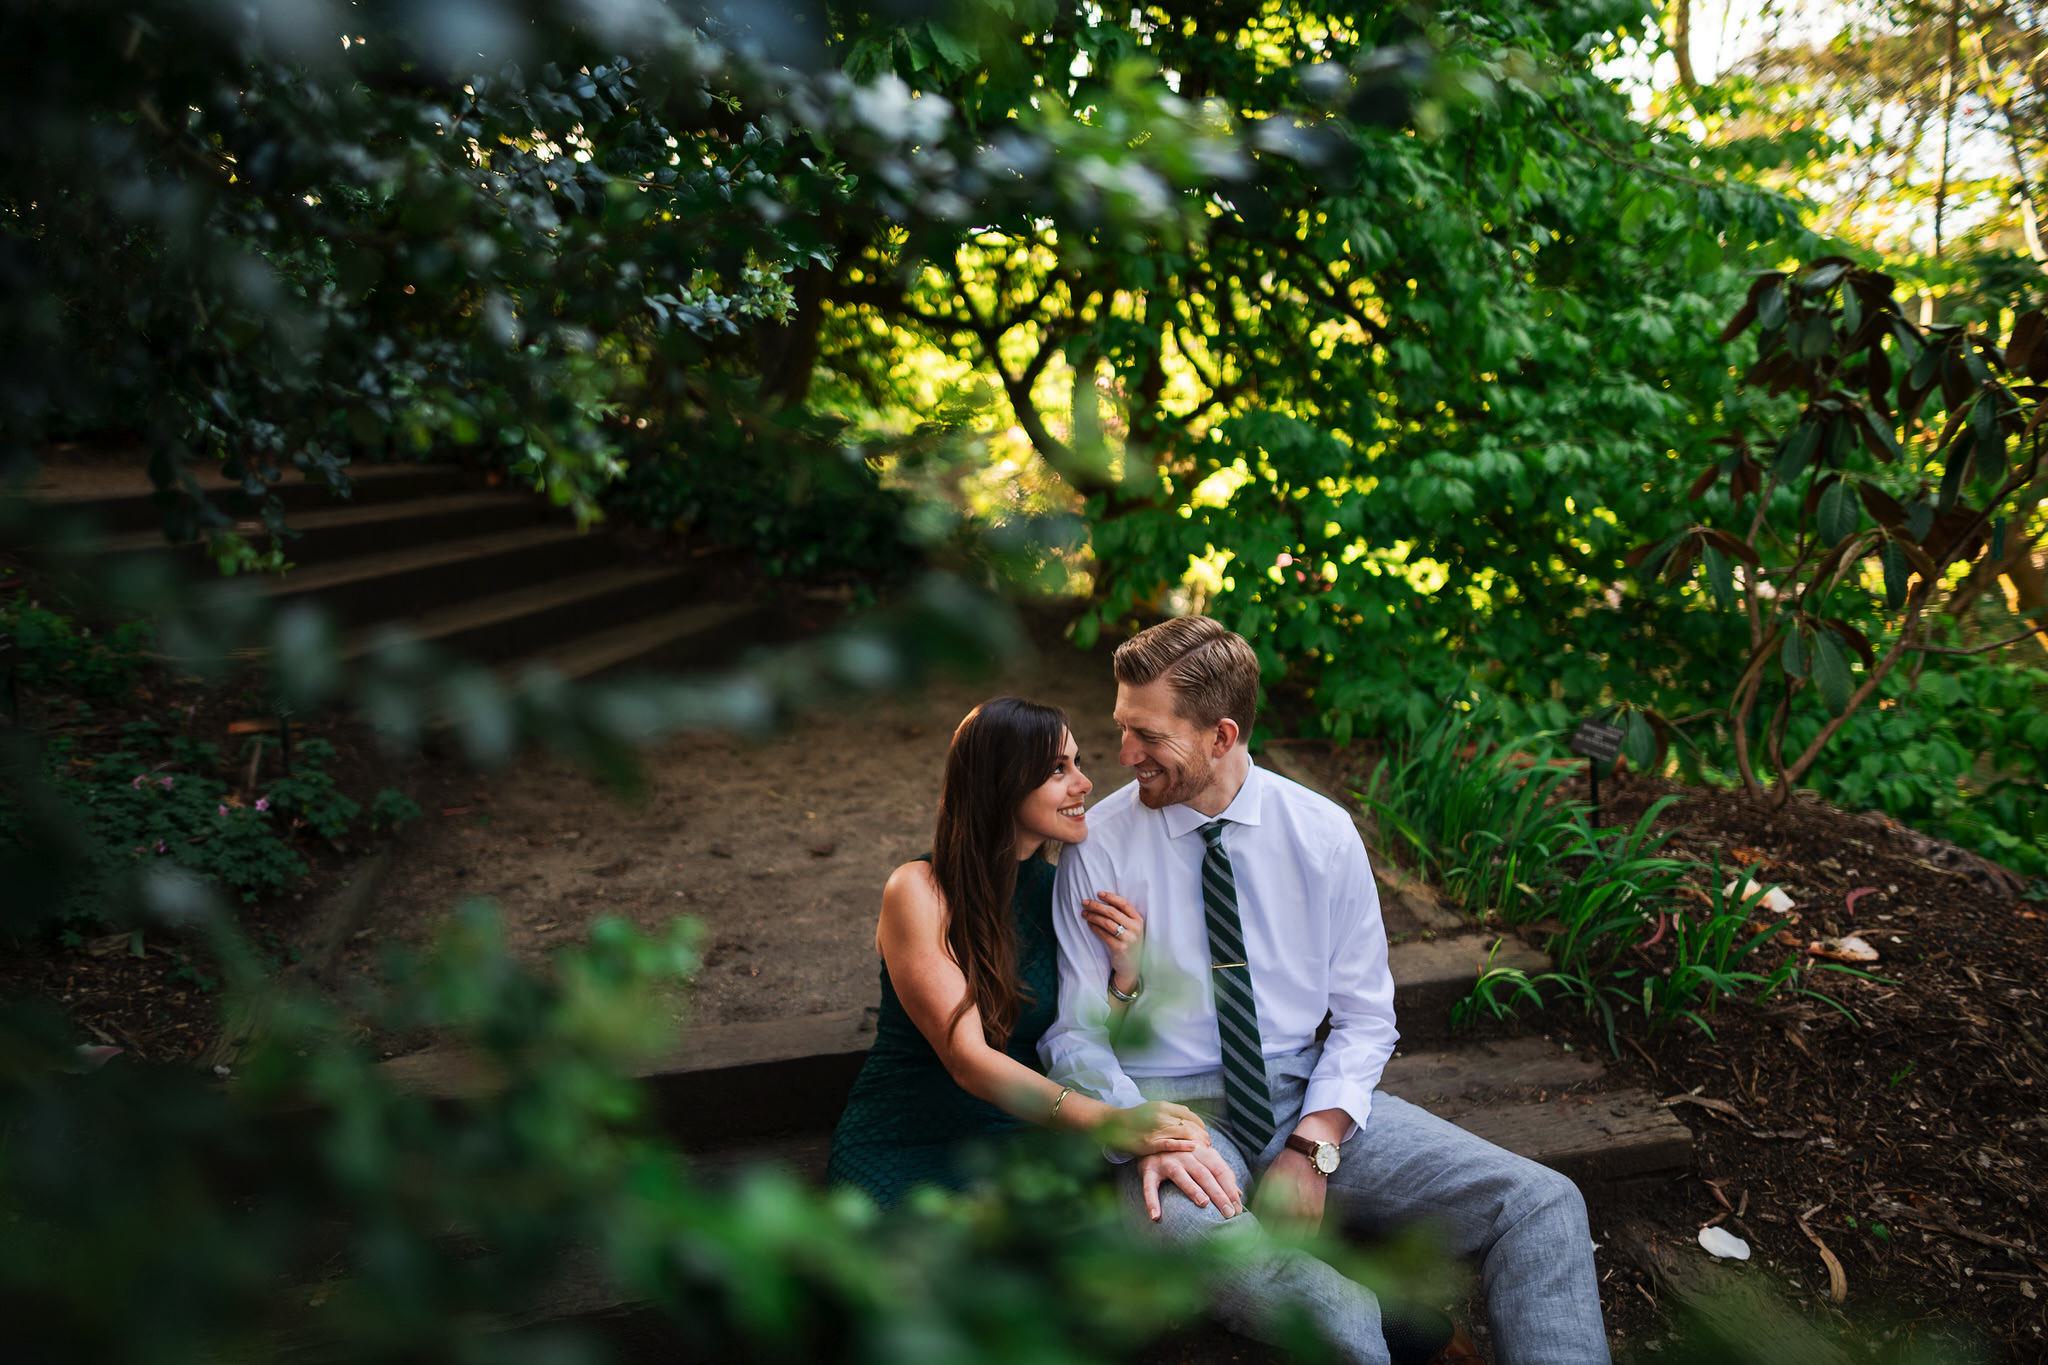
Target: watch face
<point x="1326" y="1158"/>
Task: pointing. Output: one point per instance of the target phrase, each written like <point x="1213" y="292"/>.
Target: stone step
<point x="117" y="512"/>
<point x="341" y="532"/>
<point x="543" y="615"/>
<point x="685" y="639"/>
<point x="390" y="583"/>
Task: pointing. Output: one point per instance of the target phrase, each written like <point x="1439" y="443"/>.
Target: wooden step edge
<point x="511" y="604"/>
<point x="438" y="554"/>
<point x="1432" y="975"/>
<point x="622" y="645"/>
<point x="793" y="1075"/>
<point x="212" y="482"/>
<point x="1602" y="1140"/>
<point x="395" y="513"/>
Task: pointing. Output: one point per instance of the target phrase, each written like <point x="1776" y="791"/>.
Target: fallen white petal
<point x="1775" y="900"/>
<point x="1724" y="1244"/>
<point x="1850" y="948"/>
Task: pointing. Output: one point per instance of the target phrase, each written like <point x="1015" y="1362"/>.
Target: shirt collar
<point x="1243" y="809"/>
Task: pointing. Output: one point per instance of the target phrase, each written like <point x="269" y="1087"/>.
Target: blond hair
<point x="1209" y="668"/>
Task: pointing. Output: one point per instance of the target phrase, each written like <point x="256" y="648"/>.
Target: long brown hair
<point x="1001" y="753"/>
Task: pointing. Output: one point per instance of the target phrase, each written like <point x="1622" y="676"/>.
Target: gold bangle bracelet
<point x="1064" y="1092"/>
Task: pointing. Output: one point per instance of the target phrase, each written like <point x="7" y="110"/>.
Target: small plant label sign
<point x="1598" y="740"/>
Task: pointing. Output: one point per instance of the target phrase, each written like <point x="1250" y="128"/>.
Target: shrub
<point x="58" y="653"/>
<point x="391" y="808"/>
<point x="311" y="794"/>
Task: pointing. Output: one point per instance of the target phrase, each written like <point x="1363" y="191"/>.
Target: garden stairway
<point x="495" y="575"/>
<point x="739" y="1094"/>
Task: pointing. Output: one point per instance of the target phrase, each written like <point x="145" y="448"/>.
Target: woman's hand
<point x="1121" y="928"/>
<point x="1155" y="1127"/>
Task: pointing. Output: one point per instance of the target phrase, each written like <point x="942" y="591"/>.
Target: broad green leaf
<point x="1720" y="575"/>
<point x="1813" y="337"/>
<point x="1951" y="479"/>
<point x="1792" y="654"/>
<point x="1797" y="450"/>
<point x="1770" y="309"/>
<point x="1831" y="672"/>
<point x="1926" y="365"/>
<point x="1639" y="742"/>
<point x="1840" y="512"/>
<point x="1895" y="575"/>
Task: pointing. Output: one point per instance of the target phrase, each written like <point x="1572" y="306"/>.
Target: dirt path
<point x="779" y="848"/>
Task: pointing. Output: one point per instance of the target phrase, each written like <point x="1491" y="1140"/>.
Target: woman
<point x="969" y="980"/>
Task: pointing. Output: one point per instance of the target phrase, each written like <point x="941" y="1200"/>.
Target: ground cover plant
<point x="1640" y="940"/>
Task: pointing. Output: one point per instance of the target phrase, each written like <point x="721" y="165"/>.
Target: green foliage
<point x="822" y="511"/>
<point x="1960" y="752"/>
<point x="552" y="243"/>
<point x="160" y="800"/>
<point x="310" y="793"/>
<point x="1491" y="825"/>
<point x="1821" y="591"/>
<point x="391" y="809"/>
<point x="56" y="652"/>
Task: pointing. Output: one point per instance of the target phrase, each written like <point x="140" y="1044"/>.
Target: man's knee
<point x="1543" y="1193"/>
<point x="1181" y="1219"/>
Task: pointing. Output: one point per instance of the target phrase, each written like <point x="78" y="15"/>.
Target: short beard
<point x="1184" y="786"/>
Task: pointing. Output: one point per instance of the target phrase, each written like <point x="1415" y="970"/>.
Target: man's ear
<point x="1226" y="735"/>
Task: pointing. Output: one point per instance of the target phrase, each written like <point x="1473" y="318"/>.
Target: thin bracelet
<point x="1064" y="1092"/>
<point x="1137" y="989"/>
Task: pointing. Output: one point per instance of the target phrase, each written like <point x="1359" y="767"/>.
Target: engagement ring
<point x="1119" y="930"/>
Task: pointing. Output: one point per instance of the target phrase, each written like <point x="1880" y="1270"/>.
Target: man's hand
<point x="1202" y="1175"/>
<point x="1291" y="1192"/>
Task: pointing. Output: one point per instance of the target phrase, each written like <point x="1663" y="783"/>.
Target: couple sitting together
<point x="1226" y="913"/>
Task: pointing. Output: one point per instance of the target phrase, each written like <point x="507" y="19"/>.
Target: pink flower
<point x="160" y="847"/>
<point x="140" y="778"/>
<point x="166" y="782"/>
<point x="1284" y="560"/>
<point x="262" y="803"/>
<point x="223" y="809"/>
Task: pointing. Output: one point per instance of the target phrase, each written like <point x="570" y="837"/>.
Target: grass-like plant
<point x="1490" y="824"/>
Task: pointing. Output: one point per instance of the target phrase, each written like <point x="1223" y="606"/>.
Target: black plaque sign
<point x="1598" y="741"/>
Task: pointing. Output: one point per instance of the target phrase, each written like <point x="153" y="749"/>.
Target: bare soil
<point x="779" y="848"/>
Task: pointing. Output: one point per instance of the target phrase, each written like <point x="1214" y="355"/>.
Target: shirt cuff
<point x="1334" y="1093"/>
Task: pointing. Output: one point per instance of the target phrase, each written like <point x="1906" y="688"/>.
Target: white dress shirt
<point x="1313" y="940"/>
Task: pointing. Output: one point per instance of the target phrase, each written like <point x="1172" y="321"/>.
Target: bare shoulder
<point x="911" y="895"/>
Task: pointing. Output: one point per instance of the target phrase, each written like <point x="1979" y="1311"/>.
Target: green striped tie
<point x="1249" y="1101"/>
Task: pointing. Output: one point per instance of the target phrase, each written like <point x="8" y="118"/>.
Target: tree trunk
<point x="1948" y="126"/>
<point x="1680" y="39"/>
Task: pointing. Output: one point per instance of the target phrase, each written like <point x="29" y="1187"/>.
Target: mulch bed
<point x="1912" y="1142"/>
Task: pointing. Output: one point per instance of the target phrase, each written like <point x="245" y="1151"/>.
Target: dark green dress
<point x="907" y="1120"/>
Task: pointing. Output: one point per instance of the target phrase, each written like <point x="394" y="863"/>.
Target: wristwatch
<point x="1321" y="1155"/>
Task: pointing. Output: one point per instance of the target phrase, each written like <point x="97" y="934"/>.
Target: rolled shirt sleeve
<point x="1362" y="1032"/>
<point x="1076" y="1050"/>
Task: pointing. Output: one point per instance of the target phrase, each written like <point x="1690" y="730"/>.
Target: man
<point x="1261" y="918"/>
